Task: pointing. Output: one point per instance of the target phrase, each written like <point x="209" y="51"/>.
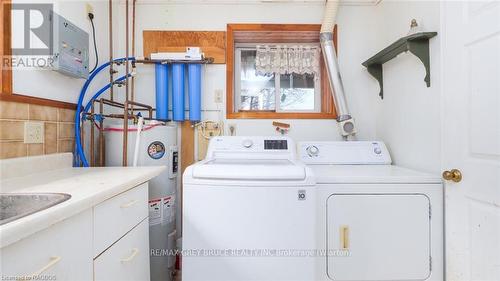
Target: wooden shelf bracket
<point x="417" y="44"/>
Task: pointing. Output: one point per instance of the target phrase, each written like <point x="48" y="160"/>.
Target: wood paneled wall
<point x="212" y="43"/>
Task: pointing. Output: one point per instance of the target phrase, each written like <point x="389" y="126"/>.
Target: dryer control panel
<point x="251" y="147"/>
<point x="344" y="153"/>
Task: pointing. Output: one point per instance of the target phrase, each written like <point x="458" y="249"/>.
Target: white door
<point x="388" y="237"/>
<point x="471" y="138"/>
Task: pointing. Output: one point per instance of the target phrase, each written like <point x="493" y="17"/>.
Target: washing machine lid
<point x="366" y="174"/>
<point x="250" y="158"/>
<point x="250" y="170"/>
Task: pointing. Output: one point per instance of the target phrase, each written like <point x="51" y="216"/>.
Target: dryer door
<point x="387" y="236"/>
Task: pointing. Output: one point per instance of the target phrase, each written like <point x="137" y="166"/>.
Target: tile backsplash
<point x="59" y="129"/>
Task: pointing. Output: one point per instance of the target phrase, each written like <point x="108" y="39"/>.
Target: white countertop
<point x="87" y="187"/>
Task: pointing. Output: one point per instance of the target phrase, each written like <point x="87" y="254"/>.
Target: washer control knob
<point x="312" y="150"/>
<point x="247" y="143"/>
<point x="377" y="150"/>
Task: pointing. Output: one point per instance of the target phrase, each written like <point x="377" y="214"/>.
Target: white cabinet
<point x="118" y="215"/>
<point x="107" y="242"/>
<point x="121" y="237"/>
<point x="128" y="259"/>
<point x="61" y="252"/>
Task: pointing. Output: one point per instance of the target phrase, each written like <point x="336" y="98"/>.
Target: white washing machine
<point x="248" y="212"/>
<point x="376" y="221"/>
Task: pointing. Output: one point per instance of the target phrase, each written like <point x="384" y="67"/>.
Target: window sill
<point x="279" y="115"/>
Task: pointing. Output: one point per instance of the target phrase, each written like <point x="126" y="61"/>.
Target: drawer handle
<point x="344" y="237"/>
<point x="53" y="261"/>
<point x="129" y="204"/>
<point x="135" y="251"/>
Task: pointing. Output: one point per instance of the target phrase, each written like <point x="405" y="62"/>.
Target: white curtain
<point x="288" y="60"/>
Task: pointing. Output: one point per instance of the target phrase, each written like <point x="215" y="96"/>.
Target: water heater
<point x="158" y="147"/>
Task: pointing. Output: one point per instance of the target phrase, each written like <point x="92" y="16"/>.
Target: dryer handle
<point x="344" y="237"/>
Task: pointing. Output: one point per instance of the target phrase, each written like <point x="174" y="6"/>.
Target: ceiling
<point x="318" y="2"/>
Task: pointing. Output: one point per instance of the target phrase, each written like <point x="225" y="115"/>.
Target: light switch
<point x="218" y="96"/>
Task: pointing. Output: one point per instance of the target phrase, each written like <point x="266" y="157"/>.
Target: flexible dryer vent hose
<point x="347" y="125"/>
<point x="330" y="16"/>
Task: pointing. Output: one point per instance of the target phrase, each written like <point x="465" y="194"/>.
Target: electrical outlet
<point x="89" y="9"/>
<point x="232" y="129"/>
<point x="33" y="132"/>
<point x="218" y="96"/>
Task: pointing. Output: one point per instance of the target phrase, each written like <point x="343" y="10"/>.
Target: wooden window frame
<point x="6" y="87"/>
<point x="276" y="33"/>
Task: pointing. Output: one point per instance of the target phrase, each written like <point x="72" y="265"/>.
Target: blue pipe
<point x="101" y="91"/>
<point x="79" y="149"/>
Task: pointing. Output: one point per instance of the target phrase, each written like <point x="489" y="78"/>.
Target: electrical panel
<point x="70" y="48"/>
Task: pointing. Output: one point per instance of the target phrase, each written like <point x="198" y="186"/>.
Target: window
<point x="273" y="92"/>
<point x="252" y="94"/>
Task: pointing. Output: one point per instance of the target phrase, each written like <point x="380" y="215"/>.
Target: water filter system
<point x="178" y="91"/>
<point x="194" y="88"/>
<point x="161" y="82"/>
<point x="178" y="76"/>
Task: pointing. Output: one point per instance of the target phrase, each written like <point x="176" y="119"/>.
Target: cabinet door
<point x="127" y="259"/>
<point x="61" y="252"/>
<point x="387" y="236"/>
<point x="118" y="215"/>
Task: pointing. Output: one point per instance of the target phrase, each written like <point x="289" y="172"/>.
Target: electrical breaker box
<point x="70" y="48"/>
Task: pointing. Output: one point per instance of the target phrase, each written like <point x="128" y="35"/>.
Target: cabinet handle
<point x="135" y="251"/>
<point x="53" y="261"/>
<point x="344" y="237"/>
<point x="129" y="204"/>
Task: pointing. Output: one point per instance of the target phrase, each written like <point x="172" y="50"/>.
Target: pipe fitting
<point x="326" y="36"/>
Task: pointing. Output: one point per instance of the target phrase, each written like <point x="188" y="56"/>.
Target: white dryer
<point x="376" y="221"/>
<point x="248" y="212"/>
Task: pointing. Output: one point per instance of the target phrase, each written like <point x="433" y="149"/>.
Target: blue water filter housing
<point x="194" y="92"/>
<point x="161" y="84"/>
<point x="178" y="91"/>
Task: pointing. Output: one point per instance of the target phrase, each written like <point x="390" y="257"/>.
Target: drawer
<point x="118" y="215"/>
<point x="60" y="252"/>
<point x="128" y="259"/>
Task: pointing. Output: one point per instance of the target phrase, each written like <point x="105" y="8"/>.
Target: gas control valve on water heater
<point x="157" y="147"/>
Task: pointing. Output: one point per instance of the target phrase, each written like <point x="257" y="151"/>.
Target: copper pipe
<point x="129" y="116"/>
<point x="132" y="90"/>
<point x="125" y="134"/>
<point x="145" y="106"/>
<point x="82" y="138"/>
<point x="111" y="70"/>
<point x="92" y="136"/>
<point x="121" y="116"/>
<point x="207" y="60"/>
<point x="113" y="103"/>
<point x="101" y="135"/>
<point x="125" y="111"/>
<point x="141" y="106"/>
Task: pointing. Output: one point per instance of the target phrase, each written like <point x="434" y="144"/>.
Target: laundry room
<point x="250" y="140"/>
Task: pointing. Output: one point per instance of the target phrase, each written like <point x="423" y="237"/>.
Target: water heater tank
<point x="158" y="147"/>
